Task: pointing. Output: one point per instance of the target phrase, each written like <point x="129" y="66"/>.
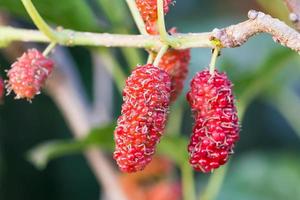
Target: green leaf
<point x="175" y="147"/>
<point x="39" y="156"/>
<point x="119" y="21"/>
<point x="71" y="14"/>
<point x="250" y="86"/>
<point x="263" y="176"/>
<point x="118" y="18"/>
<point x="287" y="102"/>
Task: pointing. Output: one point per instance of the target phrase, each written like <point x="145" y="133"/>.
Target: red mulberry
<point x="1" y="88"/>
<point x="216" y="128"/>
<point x="148" y="10"/>
<point x="28" y="74"/>
<point x="143" y="117"/>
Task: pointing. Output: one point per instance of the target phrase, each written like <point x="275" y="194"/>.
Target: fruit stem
<point x="160" y="54"/>
<point x="150" y="58"/>
<point x="39" y="21"/>
<point x="188" y="182"/>
<point x="137" y="16"/>
<point x="161" y="20"/>
<point x="212" y="64"/>
<point x="214" y="184"/>
<point x="164" y="36"/>
<point x="49" y="48"/>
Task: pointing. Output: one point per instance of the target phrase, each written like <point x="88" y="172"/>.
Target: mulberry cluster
<point x="28" y="74"/>
<point x="216" y="128"/>
<point x="148" y="11"/>
<point x="143" y="117"/>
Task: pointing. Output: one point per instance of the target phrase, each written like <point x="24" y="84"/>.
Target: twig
<point x="294" y="8"/>
<point x="232" y="36"/>
<point x="258" y="22"/>
<point x="70" y="99"/>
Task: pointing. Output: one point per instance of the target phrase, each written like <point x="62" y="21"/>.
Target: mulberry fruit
<point x="176" y="63"/>
<point x="148" y="11"/>
<point x="143" y="117"/>
<point x="28" y="74"/>
<point x="1" y="88"/>
<point x="216" y="128"/>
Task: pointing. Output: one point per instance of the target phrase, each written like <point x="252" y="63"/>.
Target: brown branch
<point x="236" y="35"/>
<point x="294" y="8"/>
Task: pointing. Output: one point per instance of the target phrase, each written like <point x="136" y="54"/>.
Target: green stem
<point x="212" y="64"/>
<point x="150" y="58"/>
<point x="188" y="183"/>
<point x="71" y="38"/>
<point x="161" y="21"/>
<point x="137" y="16"/>
<point x="215" y="183"/>
<point x="38" y="20"/>
<point x="164" y="36"/>
<point x="49" y="48"/>
<point x="118" y="21"/>
<point x="160" y="54"/>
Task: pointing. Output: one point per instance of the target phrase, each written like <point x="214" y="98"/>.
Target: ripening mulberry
<point x="28" y="74"/>
<point x="1" y="88"/>
<point x="176" y="63"/>
<point x="148" y="11"/>
<point x="143" y="117"/>
<point x="216" y="128"/>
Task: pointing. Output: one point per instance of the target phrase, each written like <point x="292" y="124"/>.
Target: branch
<point x="236" y="35"/>
<point x="232" y="36"/>
<point x="294" y="8"/>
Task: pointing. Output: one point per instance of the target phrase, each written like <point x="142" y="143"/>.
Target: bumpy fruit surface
<point x="148" y="11"/>
<point x="176" y="63"/>
<point x="216" y="128"/>
<point x="28" y="74"/>
<point x="143" y="117"/>
<point x="1" y="88"/>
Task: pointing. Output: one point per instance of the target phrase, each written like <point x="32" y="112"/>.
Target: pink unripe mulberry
<point x="28" y="74"/>
<point x="216" y="128"/>
<point x="143" y="117"/>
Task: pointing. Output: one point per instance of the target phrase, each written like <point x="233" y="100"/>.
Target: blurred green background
<point x="266" y="163"/>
